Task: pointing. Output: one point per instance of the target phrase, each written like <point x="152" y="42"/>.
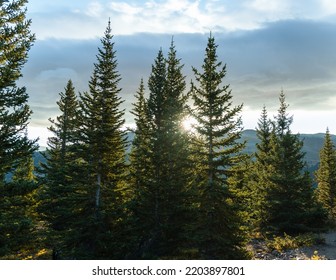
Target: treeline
<point x="177" y="194"/>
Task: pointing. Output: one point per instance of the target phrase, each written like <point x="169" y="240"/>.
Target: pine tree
<point x="58" y="193"/>
<point x="104" y="146"/>
<point x="262" y="169"/>
<point x="178" y="176"/>
<point x="264" y="132"/>
<point x="162" y="210"/>
<point x="16" y="149"/>
<point x="141" y="170"/>
<point x="219" y="128"/>
<point x="14" y="110"/>
<point x="291" y="207"/>
<point x="65" y="127"/>
<point x="140" y="163"/>
<point x="326" y="177"/>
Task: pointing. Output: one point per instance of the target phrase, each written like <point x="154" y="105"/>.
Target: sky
<point x="268" y="46"/>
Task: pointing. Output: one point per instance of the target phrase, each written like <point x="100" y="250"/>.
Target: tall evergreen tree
<point x="140" y="163"/>
<point x="15" y="148"/>
<point x="14" y="110"/>
<point x="104" y="145"/>
<point x="264" y="132"/>
<point x="141" y="170"/>
<point x="176" y="159"/>
<point x="58" y="194"/>
<point x="262" y="169"/>
<point x="161" y="205"/>
<point x="326" y="177"/>
<point x="291" y="207"/>
<point x="219" y="128"/>
<point x="156" y="109"/>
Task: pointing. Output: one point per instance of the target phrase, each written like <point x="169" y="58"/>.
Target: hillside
<point x="312" y="145"/>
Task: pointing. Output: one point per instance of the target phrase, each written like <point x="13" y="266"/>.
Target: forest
<point x="171" y="192"/>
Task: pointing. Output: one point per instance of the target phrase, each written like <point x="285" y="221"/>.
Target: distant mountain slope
<point x="312" y="145"/>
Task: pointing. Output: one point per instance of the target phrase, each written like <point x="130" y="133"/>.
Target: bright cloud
<point x="84" y="19"/>
<point x="278" y="44"/>
<point x="329" y="6"/>
<point x="267" y="6"/>
<point x="94" y="9"/>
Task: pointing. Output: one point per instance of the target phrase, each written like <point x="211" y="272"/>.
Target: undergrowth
<point x="288" y="242"/>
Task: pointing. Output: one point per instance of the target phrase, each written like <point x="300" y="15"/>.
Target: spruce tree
<point x="326" y="177"/>
<point x="264" y="132"/>
<point x="291" y="207"/>
<point x="103" y="150"/>
<point x="217" y="232"/>
<point x="141" y="170"/>
<point x="161" y="197"/>
<point x="14" y="110"/>
<point x="16" y="149"/>
<point x="176" y="160"/>
<point x="140" y="163"/>
<point x="262" y="169"/>
<point x="58" y="193"/>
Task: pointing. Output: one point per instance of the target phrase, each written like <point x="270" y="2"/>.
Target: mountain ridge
<point x="312" y="144"/>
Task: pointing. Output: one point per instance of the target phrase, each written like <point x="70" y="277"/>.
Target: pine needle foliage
<point x="161" y="147"/>
<point x="217" y="232"/>
<point x="57" y="195"/>
<point x="291" y="206"/>
<point x="262" y="168"/>
<point x="16" y="202"/>
<point x="104" y="144"/>
<point x="16" y="41"/>
<point x="326" y="177"/>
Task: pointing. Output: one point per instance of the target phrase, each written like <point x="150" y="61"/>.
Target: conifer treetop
<point x="283" y="120"/>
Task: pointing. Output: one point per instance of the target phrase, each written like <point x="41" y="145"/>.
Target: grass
<point x="288" y="242"/>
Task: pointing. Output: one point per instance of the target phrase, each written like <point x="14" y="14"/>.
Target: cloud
<point x="296" y="55"/>
<point x="329" y="7"/>
<point x="58" y="73"/>
<point x="85" y="19"/>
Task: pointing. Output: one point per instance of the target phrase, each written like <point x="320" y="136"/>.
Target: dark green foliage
<point x="59" y="193"/>
<point x="16" y="196"/>
<point x="140" y="170"/>
<point x="140" y="162"/>
<point x="18" y="235"/>
<point x="160" y="161"/>
<point x="291" y="207"/>
<point x="16" y="41"/>
<point x="217" y="231"/>
<point x="262" y="168"/>
<point x="326" y="177"/>
<point x="244" y="197"/>
<point x="103" y="146"/>
<point x="24" y="171"/>
<point x="264" y="133"/>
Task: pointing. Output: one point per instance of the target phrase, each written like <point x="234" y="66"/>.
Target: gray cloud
<point x="295" y="55"/>
<point x="298" y="56"/>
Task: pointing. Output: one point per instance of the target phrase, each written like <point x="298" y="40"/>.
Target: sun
<point x="188" y="123"/>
